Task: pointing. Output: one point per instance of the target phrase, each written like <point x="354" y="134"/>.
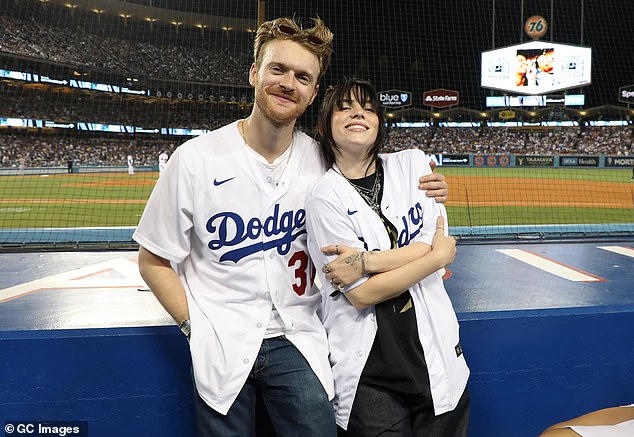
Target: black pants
<point x="377" y="411"/>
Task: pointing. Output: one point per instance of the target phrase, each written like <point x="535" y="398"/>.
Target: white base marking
<point x="627" y="251"/>
<point x="551" y="266"/>
<point x="81" y="278"/>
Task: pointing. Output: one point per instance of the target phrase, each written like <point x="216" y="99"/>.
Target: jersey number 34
<point x="304" y="272"/>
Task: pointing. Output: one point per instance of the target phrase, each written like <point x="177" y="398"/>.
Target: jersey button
<point x="272" y="255"/>
<point x="269" y="180"/>
<point x="245" y="361"/>
<point x="259" y="325"/>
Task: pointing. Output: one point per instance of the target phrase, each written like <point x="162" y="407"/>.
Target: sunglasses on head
<point x="287" y="30"/>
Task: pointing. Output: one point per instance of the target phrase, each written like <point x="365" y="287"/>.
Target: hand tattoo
<point x="355" y="260"/>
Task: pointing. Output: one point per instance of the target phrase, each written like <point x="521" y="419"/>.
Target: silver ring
<point x="340" y="287"/>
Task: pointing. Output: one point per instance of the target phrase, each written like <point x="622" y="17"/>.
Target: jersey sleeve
<point x="326" y="224"/>
<point x="167" y="221"/>
<point x="431" y="210"/>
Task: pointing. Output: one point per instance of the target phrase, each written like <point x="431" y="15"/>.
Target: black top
<point x="396" y="361"/>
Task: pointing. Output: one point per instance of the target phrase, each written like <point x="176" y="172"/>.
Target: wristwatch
<point x="186" y="328"/>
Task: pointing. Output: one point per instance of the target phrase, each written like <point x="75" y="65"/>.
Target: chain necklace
<point x="277" y="174"/>
<point x="371" y="195"/>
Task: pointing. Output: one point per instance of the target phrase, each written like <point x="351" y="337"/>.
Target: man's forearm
<point x="164" y="283"/>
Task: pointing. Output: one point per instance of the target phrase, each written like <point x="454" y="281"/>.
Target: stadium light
<point x="177" y="24"/>
<point x="99" y="12"/>
<point x="151" y="21"/>
<point x="125" y="18"/>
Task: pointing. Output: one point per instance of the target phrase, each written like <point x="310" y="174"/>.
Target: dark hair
<point x="364" y="92"/>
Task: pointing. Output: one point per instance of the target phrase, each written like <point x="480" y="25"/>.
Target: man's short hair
<point x="317" y="39"/>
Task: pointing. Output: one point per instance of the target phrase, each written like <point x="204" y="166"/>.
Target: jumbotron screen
<point x="536" y="67"/>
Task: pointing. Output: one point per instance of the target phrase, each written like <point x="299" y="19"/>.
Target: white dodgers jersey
<point x="237" y="238"/>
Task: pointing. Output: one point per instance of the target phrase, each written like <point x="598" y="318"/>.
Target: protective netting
<point x="93" y="91"/>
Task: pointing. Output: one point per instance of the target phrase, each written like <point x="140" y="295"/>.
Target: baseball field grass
<point x="77" y="200"/>
<point x="538" y="196"/>
<point x="478" y="197"/>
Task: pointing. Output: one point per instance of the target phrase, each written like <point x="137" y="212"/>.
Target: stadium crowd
<point x="602" y="140"/>
<point x="54" y="150"/>
<point x="107" y="108"/>
<point x="218" y="57"/>
<point x="80" y="46"/>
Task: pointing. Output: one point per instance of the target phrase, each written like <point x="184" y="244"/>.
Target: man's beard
<point x="271" y="110"/>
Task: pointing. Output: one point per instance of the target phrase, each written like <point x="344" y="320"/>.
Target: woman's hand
<point x="444" y="247"/>
<point x="347" y="268"/>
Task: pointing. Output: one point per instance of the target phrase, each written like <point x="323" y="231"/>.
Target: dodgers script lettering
<point x="415" y="218"/>
<point x="230" y="229"/>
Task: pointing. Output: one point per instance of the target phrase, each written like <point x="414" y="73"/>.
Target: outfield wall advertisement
<point x="619" y="161"/>
<point x="492" y="160"/>
<point x="578" y="161"/>
<point x="455" y="160"/>
<point x="449" y="160"/>
<point x="534" y="161"/>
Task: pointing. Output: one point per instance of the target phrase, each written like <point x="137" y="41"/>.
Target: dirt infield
<point x="119" y="182"/>
<point x="504" y="191"/>
<point x="73" y="201"/>
<point x="464" y="191"/>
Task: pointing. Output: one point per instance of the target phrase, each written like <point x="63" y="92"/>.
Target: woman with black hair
<point x="393" y="335"/>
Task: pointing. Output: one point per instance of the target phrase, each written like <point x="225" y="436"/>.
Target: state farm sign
<point x="440" y="98"/>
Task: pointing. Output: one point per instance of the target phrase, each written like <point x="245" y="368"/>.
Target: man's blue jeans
<point x="295" y="399"/>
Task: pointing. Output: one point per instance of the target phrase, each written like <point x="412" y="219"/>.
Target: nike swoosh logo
<point x="217" y="182"/>
<point x="352" y="212"/>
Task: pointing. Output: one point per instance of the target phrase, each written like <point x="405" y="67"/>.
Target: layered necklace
<point x="372" y="196"/>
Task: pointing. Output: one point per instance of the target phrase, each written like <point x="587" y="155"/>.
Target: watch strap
<point x="186" y="328"/>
